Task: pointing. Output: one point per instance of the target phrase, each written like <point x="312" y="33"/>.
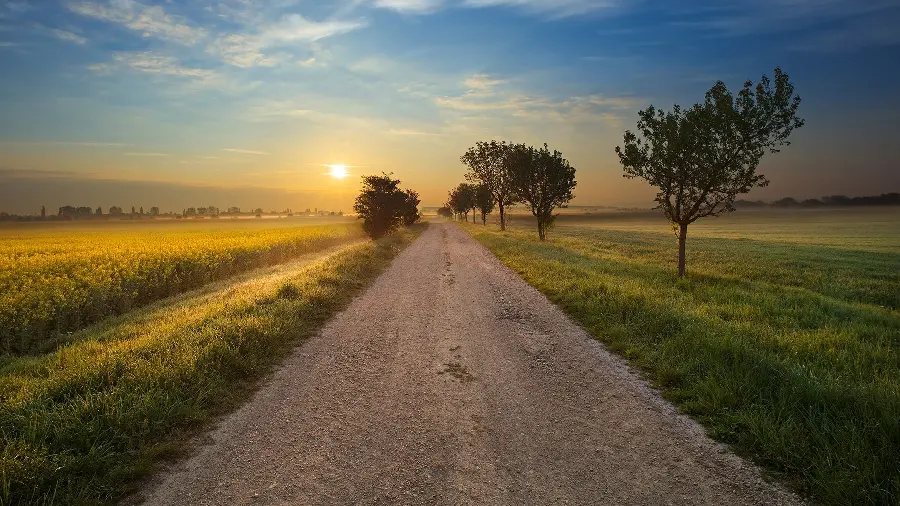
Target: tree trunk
<point x="484" y="219"/>
<point x="474" y="214"/>
<point x="682" y="240"/>
<point x="502" y="217"/>
<point x="540" y="229"/>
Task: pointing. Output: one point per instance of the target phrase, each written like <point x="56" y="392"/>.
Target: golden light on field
<point x="338" y="171"/>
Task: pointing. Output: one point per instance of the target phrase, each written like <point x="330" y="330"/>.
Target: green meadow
<point x="783" y="340"/>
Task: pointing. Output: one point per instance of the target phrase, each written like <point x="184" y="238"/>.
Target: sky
<point x="243" y="102"/>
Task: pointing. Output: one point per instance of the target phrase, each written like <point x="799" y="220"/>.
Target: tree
<point x="154" y="211"/>
<point x="142" y="211"/>
<point x="411" y="203"/>
<point x="462" y="199"/>
<point x="484" y="202"/>
<point x="43" y="212"/>
<point x="487" y="163"/>
<point x="542" y="179"/>
<point x="383" y="206"/>
<point x="445" y="212"/>
<point x="701" y="158"/>
<point x="115" y="211"/>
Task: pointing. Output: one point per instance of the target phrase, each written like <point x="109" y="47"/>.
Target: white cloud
<point x="411" y="6"/>
<point x="550" y="8"/>
<point x="150" y="21"/>
<point x="296" y="28"/>
<point x="246" y="151"/>
<point x="554" y="8"/>
<point x="69" y="36"/>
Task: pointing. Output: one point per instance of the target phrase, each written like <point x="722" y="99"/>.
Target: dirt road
<point x="451" y="381"/>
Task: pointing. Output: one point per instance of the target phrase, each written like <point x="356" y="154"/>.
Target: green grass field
<point x="784" y="340"/>
<point x="80" y="425"/>
<point x="56" y="278"/>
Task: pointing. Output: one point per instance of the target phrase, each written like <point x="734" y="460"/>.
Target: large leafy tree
<point x="489" y="166"/>
<point x="544" y="180"/>
<point x="701" y="158"/>
<point x="384" y="207"/>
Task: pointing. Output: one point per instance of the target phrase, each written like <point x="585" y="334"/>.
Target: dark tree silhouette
<point x="484" y="202"/>
<point x="544" y="180"/>
<point x="383" y="206"/>
<point x="462" y="200"/>
<point x="487" y="163"/>
<point x="701" y="158"/>
<point x="411" y="203"/>
<point x="445" y="211"/>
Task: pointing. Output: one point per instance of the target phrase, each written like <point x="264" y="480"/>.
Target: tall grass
<point x="79" y="425"/>
<point x="56" y="281"/>
<point x="787" y="350"/>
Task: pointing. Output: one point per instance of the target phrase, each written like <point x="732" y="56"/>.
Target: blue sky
<point x="242" y="93"/>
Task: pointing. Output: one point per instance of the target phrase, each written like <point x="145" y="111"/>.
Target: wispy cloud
<point x="70" y="143"/>
<point x="401" y="131"/>
<point x="296" y="28"/>
<point x="148" y="20"/>
<point x="69" y="36"/>
<point x="411" y="6"/>
<point x="156" y="63"/>
<point x="246" y="151"/>
<point x="486" y="94"/>
<point x="547" y="8"/>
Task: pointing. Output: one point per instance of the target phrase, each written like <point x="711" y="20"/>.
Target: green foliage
<point x="701" y="158"/>
<point x="487" y="164"/>
<point x="462" y="200"/>
<point x="785" y="342"/>
<point x="484" y="201"/>
<point x="384" y="207"/>
<point x="64" y="435"/>
<point x="542" y="179"/>
<point x="53" y="281"/>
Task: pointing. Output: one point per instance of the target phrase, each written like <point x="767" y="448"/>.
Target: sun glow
<point x="338" y="171"/>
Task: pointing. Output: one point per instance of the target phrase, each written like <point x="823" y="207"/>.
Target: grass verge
<point x="796" y="366"/>
<point x="81" y="425"/>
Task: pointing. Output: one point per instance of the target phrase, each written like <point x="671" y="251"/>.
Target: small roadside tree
<point x="544" y="180"/>
<point x="484" y="202"/>
<point x="445" y="212"/>
<point x="410" y="212"/>
<point x="703" y="157"/>
<point x="383" y="206"/>
<point x="462" y="200"/>
<point x="487" y="163"/>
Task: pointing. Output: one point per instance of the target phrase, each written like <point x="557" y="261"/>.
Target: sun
<point x="338" y="171"/>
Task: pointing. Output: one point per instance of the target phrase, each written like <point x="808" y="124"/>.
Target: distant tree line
<point x="67" y="213"/>
<point x="885" y="199"/>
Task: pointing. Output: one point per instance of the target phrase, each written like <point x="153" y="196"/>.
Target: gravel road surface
<point x="451" y="381"/>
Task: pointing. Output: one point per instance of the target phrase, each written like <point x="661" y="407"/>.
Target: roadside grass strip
<point x="81" y="425"/>
<point x="798" y="367"/>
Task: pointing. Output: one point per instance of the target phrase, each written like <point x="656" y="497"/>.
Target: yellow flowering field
<point x="55" y="279"/>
